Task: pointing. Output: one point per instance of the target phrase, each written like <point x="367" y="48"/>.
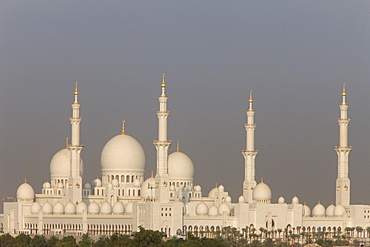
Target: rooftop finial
<point x="250" y="101"/>
<point x="344" y="94"/>
<point x="123" y="128"/>
<point x="178" y="146"/>
<point x="262" y="180"/>
<point x="152" y="175"/>
<point x="25" y="180"/>
<point x="67" y="145"/>
<point x="76" y="92"/>
<point x="163" y="85"/>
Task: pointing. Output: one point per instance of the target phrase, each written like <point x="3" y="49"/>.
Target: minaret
<point x="75" y="179"/>
<point x="162" y="145"/>
<point x="249" y="154"/>
<point x="343" y="183"/>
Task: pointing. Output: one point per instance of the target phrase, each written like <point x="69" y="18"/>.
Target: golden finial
<point x="123" y="128"/>
<point x="262" y="180"/>
<point x="152" y="175"/>
<point x="319" y="202"/>
<point x="344" y="90"/>
<point x="25" y="180"/>
<point x="163" y="82"/>
<point x="76" y="88"/>
<point x="250" y="97"/>
<point x="67" y="142"/>
<point x="178" y="146"/>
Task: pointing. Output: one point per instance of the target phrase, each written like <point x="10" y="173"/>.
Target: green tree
<point x="7" y="241"/>
<point x="38" y="241"/>
<point x="67" y="241"/>
<point x="146" y="238"/>
<point x="52" y="241"/>
<point x="22" y="240"/>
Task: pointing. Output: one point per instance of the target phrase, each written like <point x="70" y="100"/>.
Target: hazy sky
<point x="295" y="55"/>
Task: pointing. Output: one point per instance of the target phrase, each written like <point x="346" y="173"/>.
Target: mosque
<point x="121" y="200"/>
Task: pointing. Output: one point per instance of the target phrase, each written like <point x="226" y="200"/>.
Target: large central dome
<point x="122" y="153"/>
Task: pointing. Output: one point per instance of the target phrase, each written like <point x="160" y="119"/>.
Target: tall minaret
<point x="162" y="145"/>
<point x="249" y="154"/>
<point x="75" y="180"/>
<point x="343" y="150"/>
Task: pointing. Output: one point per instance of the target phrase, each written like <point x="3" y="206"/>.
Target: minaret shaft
<point x="162" y="145"/>
<point x="343" y="151"/>
<point x="249" y="154"/>
<point x="75" y="180"/>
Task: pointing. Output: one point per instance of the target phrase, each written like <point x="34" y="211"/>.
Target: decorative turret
<point x="343" y="150"/>
<point x="249" y="154"/>
<point x="162" y="145"/>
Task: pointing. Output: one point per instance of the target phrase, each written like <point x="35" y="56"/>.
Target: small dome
<point x="221" y="188"/>
<point x="262" y="193"/>
<point x="58" y="208"/>
<point x="115" y="182"/>
<point x="110" y="186"/>
<point x="25" y="192"/>
<point x="81" y="207"/>
<point x="201" y="209"/>
<point x="213" y="192"/>
<point x="241" y="199"/>
<point x="137" y="183"/>
<point x="128" y="208"/>
<point x="96" y="182"/>
<point x="148" y="188"/>
<point x="339" y="210"/>
<point x="228" y="199"/>
<point x="281" y="200"/>
<point x="60" y="163"/>
<point x="93" y="208"/>
<point x="224" y="208"/>
<point x="306" y="211"/>
<point x="106" y="208"/>
<point x="35" y="208"/>
<point x="295" y="200"/>
<point x="46" y="185"/>
<point x="118" y="208"/>
<point x="122" y="153"/>
<point x="180" y="166"/>
<point x="213" y="211"/>
<point x="197" y="188"/>
<point x="87" y="186"/>
<point x="70" y="208"/>
<point x="47" y="208"/>
<point x="318" y="210"/>
<point x="330" y="210"/>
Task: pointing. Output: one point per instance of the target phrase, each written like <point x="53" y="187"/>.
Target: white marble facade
<point x="169" y="201"/>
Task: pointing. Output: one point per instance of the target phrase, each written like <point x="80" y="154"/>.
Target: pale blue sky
<point x="295" y="55"/>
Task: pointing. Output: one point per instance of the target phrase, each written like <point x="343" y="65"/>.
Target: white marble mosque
<point x="122" y="199"/>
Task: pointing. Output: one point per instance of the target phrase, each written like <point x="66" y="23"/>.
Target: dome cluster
<point x="70" y="208"/>
<point x="213" y="210"/>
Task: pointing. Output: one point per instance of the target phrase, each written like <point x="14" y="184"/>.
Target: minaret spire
<point x="163" y="85"/>
<point x="343" y="150"/>
<point x="162" y="145"/>
<point x="76" y="92"/>
<point x="249" y="154"/>
<point x="74" y="190"/>
<point x="123" y="128"/>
